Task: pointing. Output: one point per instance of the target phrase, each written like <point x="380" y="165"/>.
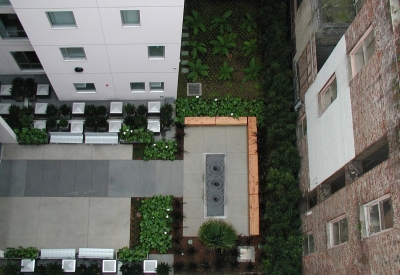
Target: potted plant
<point x="101" y="123"/>
<point x="141" y="110"/>
<point x="64" y="125"/>
<point x="129" y="109"/>
<point x="14" y="110"/>
<point x="90" y="110"/>
<point x="30" y="88"/>
<point x="101" y="110"/>
<point x="21" y="252"/>
<point x="166" y="122"/>
<point x="130" y="121"/>
<point x="14" y="116"/>
<point x="129" y="269"/>
<point x="127" y="135"/>
<point x="93" y="269"/>
<point x="54" y="269"/>
<point x="17" y="89"/>
<point x="65" y="111"/>
<point x="27" y="110"/>
<point x="90" y="124"/>
<point x="31" y="136"/>
<point x="51" y="124"/>
<point x="26" y="121"/>
<point x="163" y="268"/>
<point x="141" y="122"/>
<point x="11" y="268"/>
<point x="166" y="109"/>
<point x="52" y="110"/>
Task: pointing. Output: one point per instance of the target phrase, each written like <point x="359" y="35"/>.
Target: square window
<point x="73" y="53"/>
<point x="156" y="52"/>
<point x="308" y="244"/>
<point x="11" y="27"/>
<point x="378" y="215"/>
<point x="156" y="86"/>
<point x="130" y="17"/>
<point x="137" y="87"/>
<point x="27" y="60"/>
<point x="61" y="18"/>
<point x="338" y="231"/>
<point x="5" y="3"/>
<point x="85" y="87"/>
<point x="327" y="95"/>
<point x="363" y="51"/>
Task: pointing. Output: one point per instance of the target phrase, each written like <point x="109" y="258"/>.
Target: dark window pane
<point x="387" y="219"/>
<point x="344" y="231"/>
<point x="311" y="243"/>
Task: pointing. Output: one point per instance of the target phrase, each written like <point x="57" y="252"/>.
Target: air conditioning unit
<point x="194" y="89"/>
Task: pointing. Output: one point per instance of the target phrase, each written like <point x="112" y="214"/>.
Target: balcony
<point x="11" y="27"/>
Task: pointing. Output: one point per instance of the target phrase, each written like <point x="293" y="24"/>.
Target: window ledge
<point x="137" y="91"/>
<point x="156" y="91"/>
<point x="131" y="26"/>
<point x="86" y="92"/>
<point x="378" y="233"/>
<point x="332" y="247"/>
<point x="74" y="60"/>
<point x="156" y="58"/>
<point x="64" y="27"/>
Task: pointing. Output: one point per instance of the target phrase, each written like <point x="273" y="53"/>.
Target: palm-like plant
<point x="251" y="71"/>
<point x="54" y="269"/>
<point x="197" y="47"/>
<point x="163" y="268"/>
<point x="222" y="45"/>
<point x="222" y="22"/>
<point x="249" y="23"/>
<point x="217" y="234"/>
<point x="225" y="72"/>
<point x="197" y="69"/>
<point x="194" y="22"/>
<point x="249" y="46"/>
<point x="11" y="268"/>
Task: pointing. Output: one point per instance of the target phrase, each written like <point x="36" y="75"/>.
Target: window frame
<point x="29" y="63"/>
<point x="130" y="24"/>
<point x="321" y="106"/>
<point x="156" y="90"/>
<point x="307" y="237"/>
<point x="354" y="51"/>
<point x="301" y="128"/>
<point x="65" y="50"/>
<point x="138" y="90"/>
<point x="61" y="26"/>
<point x="19" y="28"/>
<point x="331" y="240"/>
<point x="85" y="91"/>
<point x="155" y="57"/>
<point x="366" y="207"/>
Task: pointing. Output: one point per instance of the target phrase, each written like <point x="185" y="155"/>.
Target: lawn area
<point x="235" y="57"/>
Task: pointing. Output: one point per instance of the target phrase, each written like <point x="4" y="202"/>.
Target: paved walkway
<point x="90" y="178"/>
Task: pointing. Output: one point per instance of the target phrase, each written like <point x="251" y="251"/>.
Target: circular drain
<point x="215" y="184"/>
<point x="216" y="168"/>
<point x="216" y="200"/>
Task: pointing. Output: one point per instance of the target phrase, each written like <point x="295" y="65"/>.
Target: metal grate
<point x="193" y="89"/>
<point x="215" y="185"/>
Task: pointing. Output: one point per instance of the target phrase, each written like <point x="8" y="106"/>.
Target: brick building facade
<point x="351" y="198"/>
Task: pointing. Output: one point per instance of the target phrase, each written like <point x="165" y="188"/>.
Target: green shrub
<point x="222" y="44"/>
<point x="196" y="69"/>
<point x="139" y="135"/>
<point x="249" y="23"/>
<point x="129" y="109"/>
<point x="194" y="22"/>
<point x="11" y="268"/>
<point x="138" y="253"/>
<point x="163" y="268"/>
<point x="196" y="48"/>
<point x="20" y="252"/>
<point x="252" y="71"/>
<point x="249" y="46"/>
<point x="222" y="23"/>
<point x="31" y="136"/>
<point x="225" y="72"/>
<point x="217" y="234"/>
<point x="162" y="149"/>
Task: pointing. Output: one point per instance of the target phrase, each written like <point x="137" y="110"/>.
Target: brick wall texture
<point x="375" y="107"/>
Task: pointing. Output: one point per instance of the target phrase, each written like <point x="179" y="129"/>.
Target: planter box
<point x="130" y="142"/>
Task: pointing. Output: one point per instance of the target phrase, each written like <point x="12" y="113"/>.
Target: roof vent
<point x="193" y="89"/>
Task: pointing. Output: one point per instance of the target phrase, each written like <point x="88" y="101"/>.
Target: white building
<point x="128" y="49"/>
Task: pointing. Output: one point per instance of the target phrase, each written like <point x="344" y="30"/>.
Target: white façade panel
<point x="53" y="4"/>
<point x="134" y="58"/>
<point x="140" y="3"/>
<point x="53" y="61"/>
<point x="123" y="90"/>
<point x="330" y="135"/>
<point x="157" y="25"/>
<point x="40" y="32"/>
<point x="13" y="67"/>
<point x="65" y="90"/>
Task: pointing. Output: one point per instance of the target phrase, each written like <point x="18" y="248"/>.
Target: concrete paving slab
<point x="140" y="181"/>
<point x="236" y="139"/>
<point x="194" y="163"/>
<point x="163" y="177"/>
<point x="192" y="226"/>
<point x="241" y="226"/>
<point x="51" y="170"/>
<point x="24" y="152"/>
<point x="194" y="208"/>
<point x="17" y="178"/>
<point x="99" y="186"/>
<point x="177" y="177"/>
<point x="194" y="139"/>
<point x="236" y="186"/>
<point x="214" y="139"/>
<point x="83" y="178"/>
<point x="5" y="170"/>
<point x="237" y="208"/>
<point x="34" y="178"/>
<point x="109" y="222"/>
<point x="112" y="152"/>
<point x="116" y="175"/>
<point x="236" y="164"/>
<point x="66" y="178"/>
<point x="196" y="187"/>
<point x="68" y="151"/>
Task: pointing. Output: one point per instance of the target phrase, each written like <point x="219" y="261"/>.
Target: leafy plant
<point x="65" y="110"/>
<point x="196" y="48"/>
<point x="21" y="252"/>
<point x="140" y="135"/>
<point x="27" y="110"/>
<point x="54" y="269"/>
<point x="90" y="122"/>
<point x="194" y="22"/>
<point x="63" y="123"/>
<point x="30" y="87"/>
<point x="93" y="269"/>
<point x="26" y="121"/>
<point x="166" y="121"/>
<point x="14" y="110"/>
<point x="101" y="110"/>
<point x="11" y="268"/>
<point x="166" y="109"/>
<point x="132" y="269"/>
<point x="249" y="46"/>
<point x="52" y="110"/>
<point x="129" y="109"/>
<point x="222" y="44"/>
<point x="162" y="149"/>
<point x="51" y="122"/>
<point x="249" y="23"/>
<point x="252" y="71"/>
<point x="17" y="89"/>
<point x="130" y="121"/>
<point x="196" y="69"/>
<point x="163" y="268"/>
<point x="90" y="110"/>
<point x="101" y="122"/>
<point x="217" y="234"/>
<point x="225" y="72"/>
<point x="138" y="253"/>
<point x="140" y="122"/>
<point x="222" y="23"/>
<point x="142" y="110"/>
<point x="31" y="136"/>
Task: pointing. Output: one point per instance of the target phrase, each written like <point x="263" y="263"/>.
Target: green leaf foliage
<point x="163" y="268"/>
<point x="11" y="268"/>
<point x="222" y="44"/>
<point x="222" y="23"/>
<point x="162" y="149"/>
<point x="31" y="136"/>
<point x="252" y="71"/>
<point x="217" y="234"/>
<point x="249" y="23"/>
<point x="249" y="47"/>
<point x="21" y="252"/>
<point x="194" y="22"/>
<point x="140" y="135"/>
<point x="197" y="69"/>
<point x="196" y="48"/>
<point x="225" y="72"/>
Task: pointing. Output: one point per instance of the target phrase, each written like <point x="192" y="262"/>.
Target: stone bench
<point x="57" y="253"/>
<point x="96" y="253"/>
<point x="101" y="138"/>
<point x="65" y="137"/>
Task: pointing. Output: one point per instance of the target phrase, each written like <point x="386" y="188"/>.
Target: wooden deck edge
<point x="200" y="121"/>
<point x="253" y="174"/>
<point x="254" y="209"/>
<point x="230" y="121"/>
